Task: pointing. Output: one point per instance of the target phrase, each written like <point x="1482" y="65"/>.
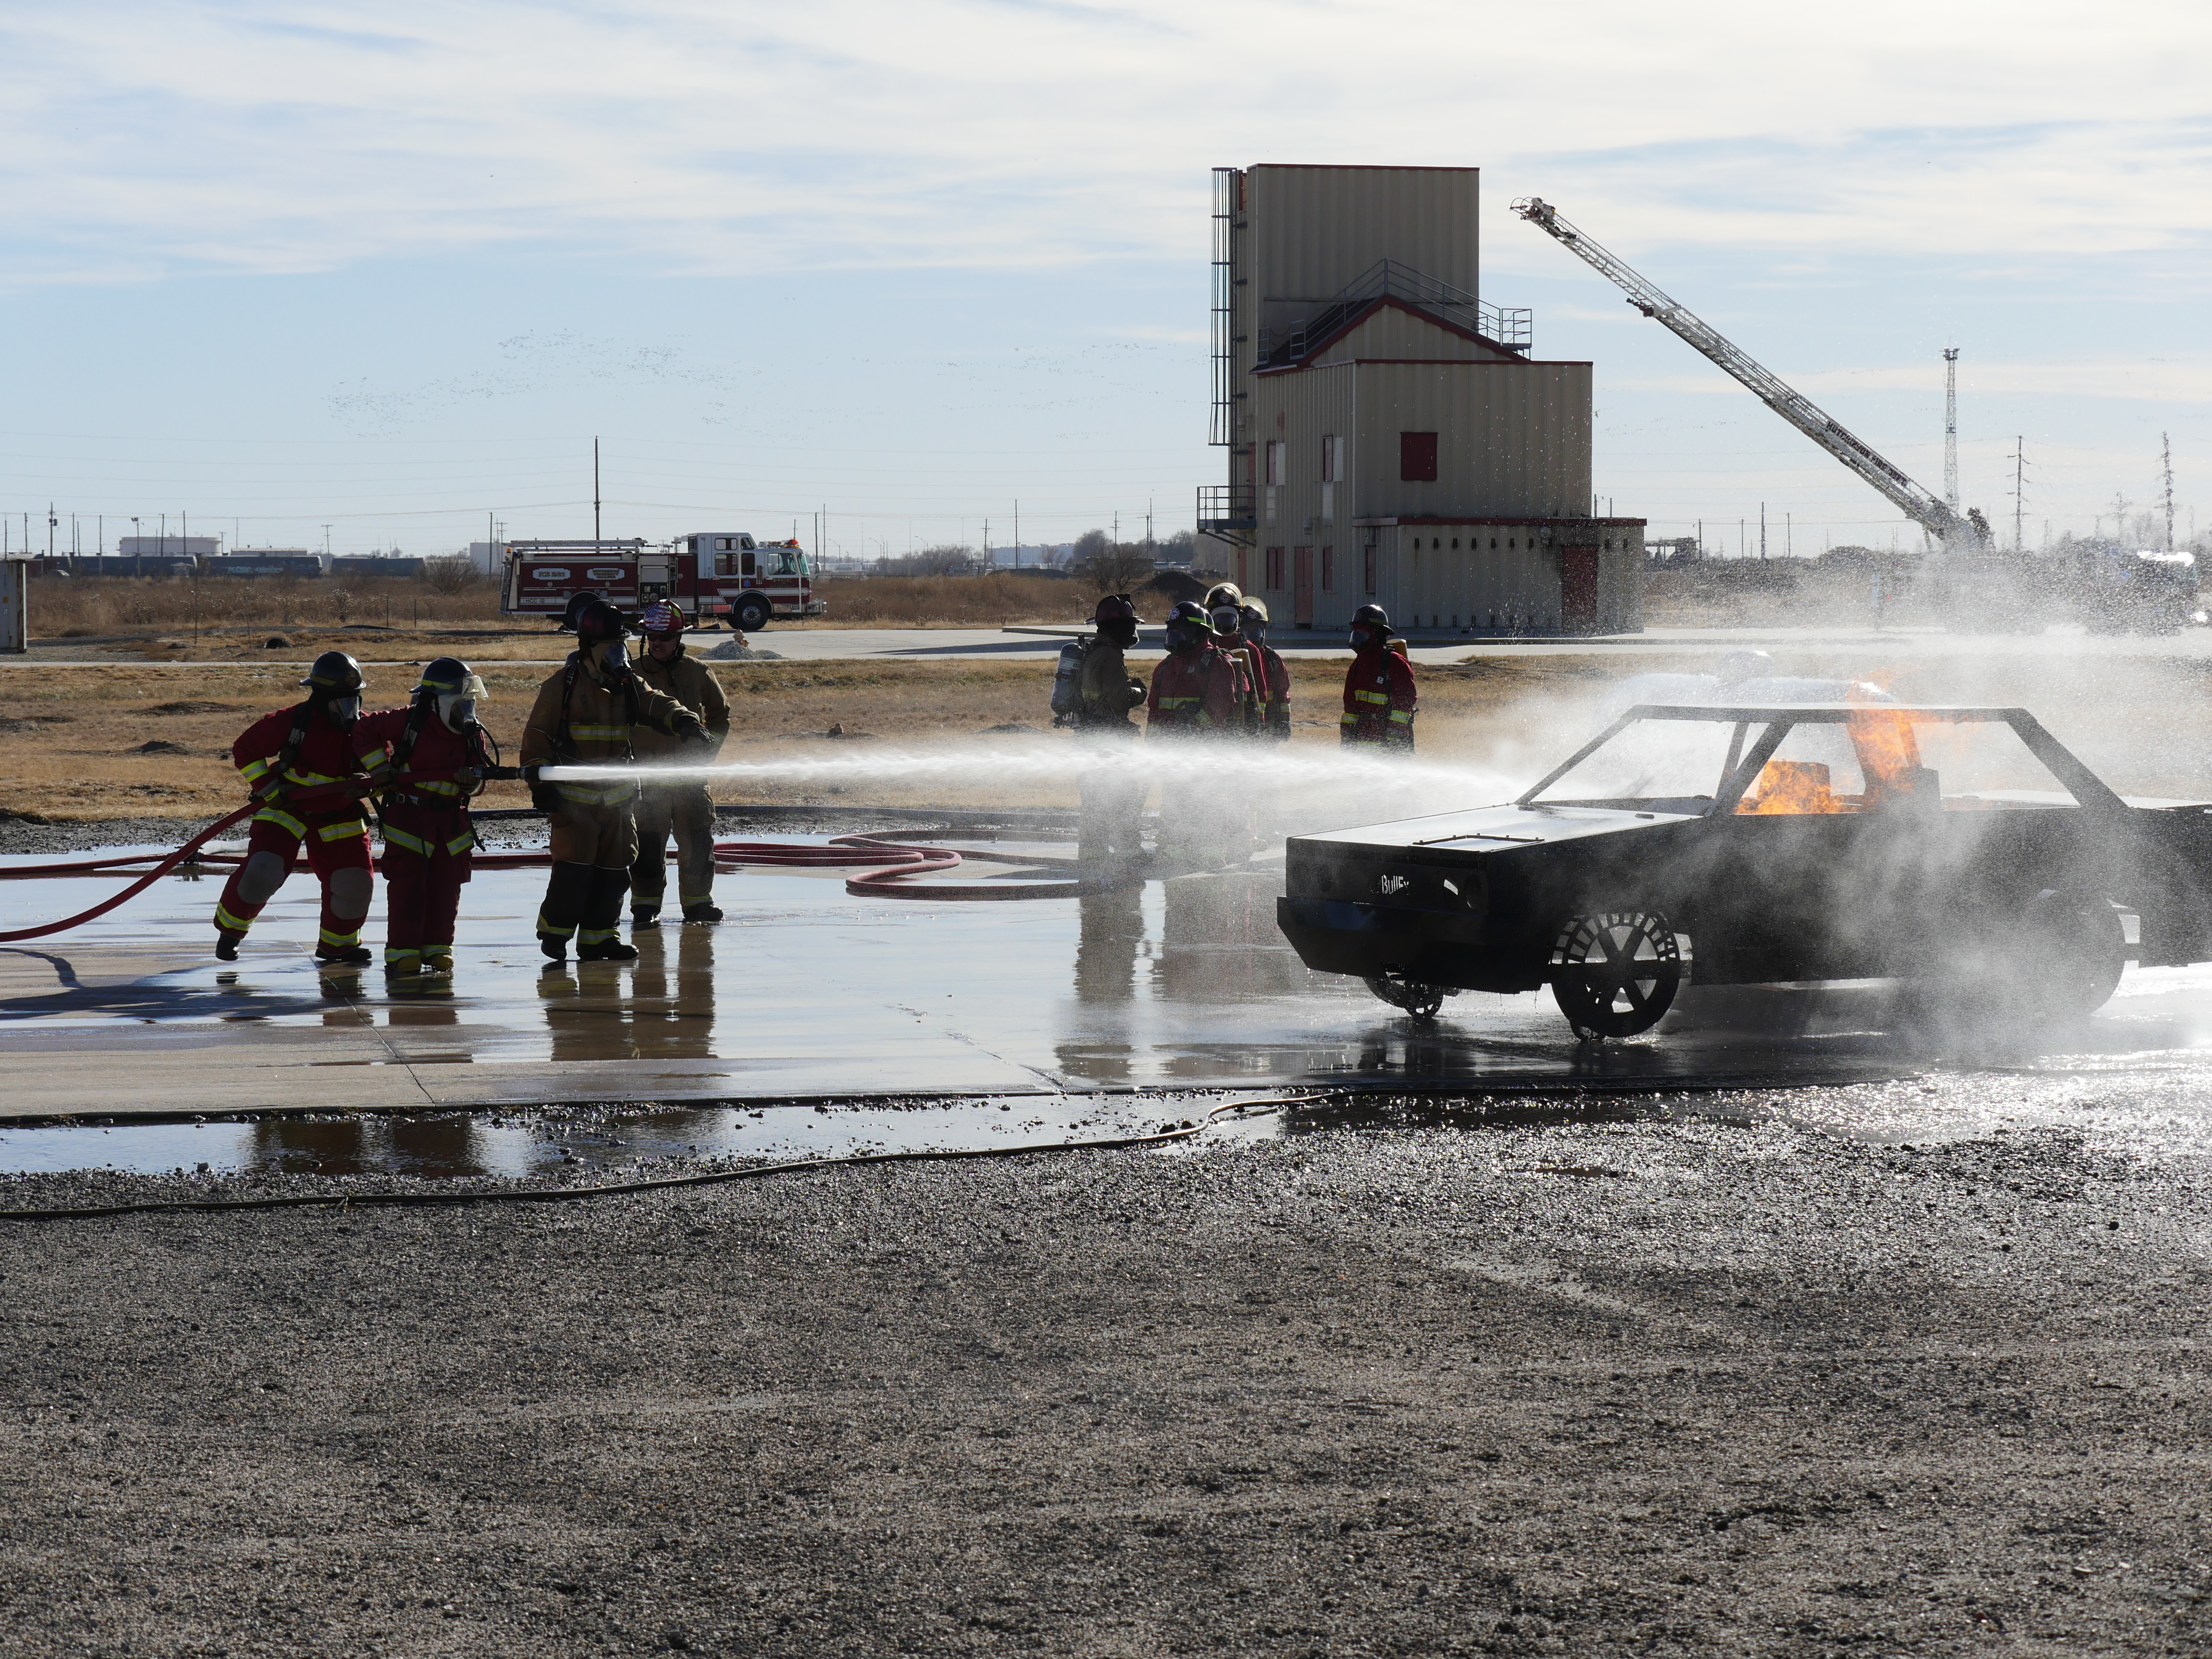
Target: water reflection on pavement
<point x="848" y="1023"/>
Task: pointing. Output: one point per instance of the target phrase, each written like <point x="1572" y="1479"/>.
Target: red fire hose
<point x="891" y="868"/>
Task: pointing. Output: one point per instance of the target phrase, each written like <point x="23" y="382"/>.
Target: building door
<point x="1301" y="586"/>
<point x="1578" y="590"/>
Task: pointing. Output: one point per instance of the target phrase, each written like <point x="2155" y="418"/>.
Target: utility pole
<point x="595" y="489"/>
<point x="52" y="524"/>
<point x="2120" y="506"/>
<point x="326" y="541"/>
<point x="2019" y="485"/>
<point x="2166" y="461"/>
<point x="1789" y="537"/>
<point x="1762" y="530"/>
<point x="1951" y="428"/>
<point x="1017" y="533"/>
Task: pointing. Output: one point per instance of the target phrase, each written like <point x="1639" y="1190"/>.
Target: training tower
<point x="1390" y="436"/>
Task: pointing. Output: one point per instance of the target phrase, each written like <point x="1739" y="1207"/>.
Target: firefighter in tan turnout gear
<point x="584" y="715"/>
<point x="682" y="806"/>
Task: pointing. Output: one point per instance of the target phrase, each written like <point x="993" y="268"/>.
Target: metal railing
<point x="1226" y="506"/>
<point x="1511" y="326"/>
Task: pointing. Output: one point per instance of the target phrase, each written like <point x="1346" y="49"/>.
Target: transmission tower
<point x="2165" y="462"/>
<point x="1951" y="428"/>
<point x="2019" y="489"/>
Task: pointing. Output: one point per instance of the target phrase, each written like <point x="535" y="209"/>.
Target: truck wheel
<point x="1615" y="974"/>
<point x="1419" y="1000"/>
<point x="751" y="613"/>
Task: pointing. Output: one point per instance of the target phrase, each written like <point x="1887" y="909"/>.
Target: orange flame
<point x="1794" y="787"/>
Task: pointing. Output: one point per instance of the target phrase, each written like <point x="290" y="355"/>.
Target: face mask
<point x="1358" y="639"/>
<point x="1180" y="637"/>
<point x="343" y="712"/>
<point x="614" y="660"/>
<point x="457" y="710"/>
<point x="1254" y="628"/>
<point x="1226" y="621"/>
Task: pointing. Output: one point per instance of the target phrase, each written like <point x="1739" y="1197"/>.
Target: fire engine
<point x="718" y="574"/>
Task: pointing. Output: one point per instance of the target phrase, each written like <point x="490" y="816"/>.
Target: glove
<point x="1138" y="693"/>
<point x="691" y="731"/>
<point x="543" y="795"/>
<point x="466" y="778"/>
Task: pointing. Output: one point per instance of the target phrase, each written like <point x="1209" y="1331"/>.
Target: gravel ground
<point x="1579" y="1388"/>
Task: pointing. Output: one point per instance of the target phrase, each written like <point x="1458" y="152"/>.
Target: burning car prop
<point x="1964" y="850"/>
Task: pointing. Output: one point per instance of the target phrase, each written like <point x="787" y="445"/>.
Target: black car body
<point x="1754" y="845"/>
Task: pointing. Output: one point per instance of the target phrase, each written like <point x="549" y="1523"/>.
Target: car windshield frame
<point x="1748" y="755"/>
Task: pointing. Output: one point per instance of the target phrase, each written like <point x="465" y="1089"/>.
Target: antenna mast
<point x="1951" y="428"/>
<point x="595" y="489"/>
<point x="2019" y="485"/>
<point x="2166" y="461"/>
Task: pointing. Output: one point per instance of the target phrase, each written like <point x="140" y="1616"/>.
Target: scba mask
<point x="343" y="712"/>
<point x="614" y="660"/>
<point x="1255" y="627"/>
<point x="1227" y="619"/>
<point x="1182" y="636"/>
<point x="457" y="709"/>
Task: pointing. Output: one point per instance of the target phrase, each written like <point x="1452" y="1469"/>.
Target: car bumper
<point x="1435" y="947"/>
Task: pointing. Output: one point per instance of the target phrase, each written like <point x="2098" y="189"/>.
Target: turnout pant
<point x="593" y="845"/>
<point x="1110" y="830"/>
<point x="426" y="862"/>
<point x="686" y="811"/>
<point x="337" y="851"/>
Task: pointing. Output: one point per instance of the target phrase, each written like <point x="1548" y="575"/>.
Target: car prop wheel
<point x="1419" y="1000"/>
<point x="2070" y="955"/>
<point x="1615" y="974"/>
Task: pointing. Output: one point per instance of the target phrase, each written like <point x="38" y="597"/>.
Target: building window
<point x="1328" y="503"/>
<point x="1367" y="583"/>
<point x="1329" y="570"/>
<point x="1275" y="567"/>
<point x="1275" y="461"/>
<point x="1417" y="456"/>
<point x="1332" y="458"/>
<point x="1244" y="569"/>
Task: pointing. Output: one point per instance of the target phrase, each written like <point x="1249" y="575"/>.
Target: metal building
<point x="1391" y="437"/>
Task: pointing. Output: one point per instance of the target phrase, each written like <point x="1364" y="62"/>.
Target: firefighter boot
<point x="567" y="894"/>
<point x="344" y="956"/>
<point x="226" y="943"/>
<point x="599" y="937"/>
<point x="645" y="916"/>
<point x="705" y="913"/>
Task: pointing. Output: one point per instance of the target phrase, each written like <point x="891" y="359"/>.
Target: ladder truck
<point x="2113" y="592"/>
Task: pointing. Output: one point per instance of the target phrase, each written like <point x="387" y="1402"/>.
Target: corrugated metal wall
<point x="1513" y="438"/>
<point x="1314" y="228"/>
<point x="1391" y="332"/>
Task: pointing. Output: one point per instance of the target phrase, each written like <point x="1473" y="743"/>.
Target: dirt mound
<point x="189" y="706"/>
<point x="161" y="746"/>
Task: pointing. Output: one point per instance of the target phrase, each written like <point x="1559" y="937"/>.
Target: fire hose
<point x="890" y="869"/>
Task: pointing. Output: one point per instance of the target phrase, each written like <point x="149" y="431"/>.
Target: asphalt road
<point x="1702" y="1384"/>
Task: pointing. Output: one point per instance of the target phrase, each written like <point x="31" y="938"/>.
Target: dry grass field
<point x="153" y="741"/>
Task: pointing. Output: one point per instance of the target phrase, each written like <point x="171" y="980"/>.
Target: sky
<point x="381" y="275"/>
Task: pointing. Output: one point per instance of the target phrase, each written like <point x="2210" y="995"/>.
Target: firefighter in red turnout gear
<point x="427" y="759"/>
<point x="301" y="764"/>
<point x="1199" y="693"/>
<point x="1198" y="690"/>
<point x="1379" y="700"/>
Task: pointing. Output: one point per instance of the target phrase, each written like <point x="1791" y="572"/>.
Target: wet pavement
<point x="811" y="1020"/>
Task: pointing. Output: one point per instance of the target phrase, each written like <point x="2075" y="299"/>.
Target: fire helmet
<point x="334" y="674"/>
<point x="662" y="621"/>
<point x="1188" y="625"/>
<point x="1223" y="594"/>
<point x="598" y="621"/>
<point x="1255" y="611"/>
<point x="1116" y="607"/>
<point x="455" y="688"/>
<point x="1371" y="616"/>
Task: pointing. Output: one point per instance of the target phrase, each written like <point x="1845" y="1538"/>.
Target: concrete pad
<point x="808" y="992"/>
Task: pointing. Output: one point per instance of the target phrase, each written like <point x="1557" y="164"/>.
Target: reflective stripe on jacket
<point x="1379" y="698"/>
<point x="1198" y="691"/>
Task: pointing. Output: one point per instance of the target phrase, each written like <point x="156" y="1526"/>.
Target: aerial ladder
<point x="1954" y="532"/>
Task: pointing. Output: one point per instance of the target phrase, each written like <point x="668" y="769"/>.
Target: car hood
<point x="1496" y="828"/>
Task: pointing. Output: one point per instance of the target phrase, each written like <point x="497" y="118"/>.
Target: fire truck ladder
<point x="1950" y="529"/>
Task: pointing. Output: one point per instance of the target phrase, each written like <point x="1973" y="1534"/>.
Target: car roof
<point x="1733" y="712"/>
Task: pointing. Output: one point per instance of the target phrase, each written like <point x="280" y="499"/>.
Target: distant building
<point x="168" y="547"/>
<point x="1390" y="437"/>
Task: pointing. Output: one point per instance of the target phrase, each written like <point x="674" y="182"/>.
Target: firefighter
<point x="1379" y="700"/>
<point x="1110" y="830"/>
<point x="1198" y="692"/>
<point x="584" y="715"/>
<point x="1274" y="691"/>
<point x="427" y="759"/>
<point x="1224" y="609"/>
<point x="301" y="765"/>
<point x="684" y="807"/>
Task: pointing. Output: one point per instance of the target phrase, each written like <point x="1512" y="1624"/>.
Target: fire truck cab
<point x="714" y="573"/>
